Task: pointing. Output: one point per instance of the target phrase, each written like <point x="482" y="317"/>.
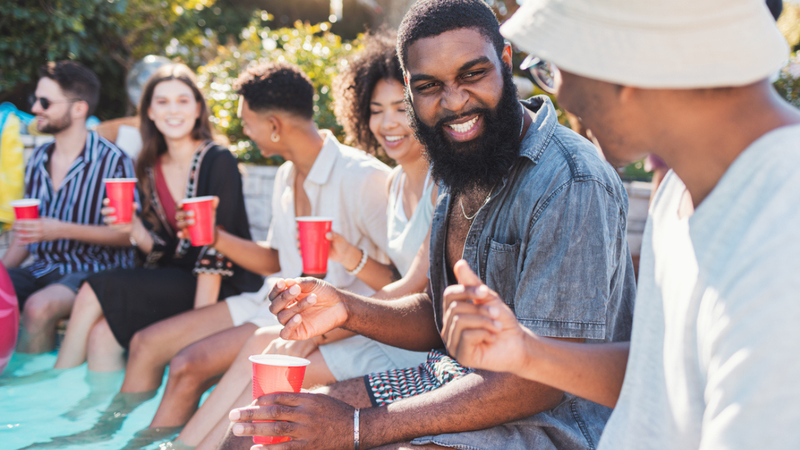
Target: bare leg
<point x="152" y="348"/>
<point x="104" y="352"/>
<point x="218" y="433"/>
<point x="40" y="315"/>
<point x="193" y="371"/>
<point x="230" y="386"/>
<point x="85" y="314"/>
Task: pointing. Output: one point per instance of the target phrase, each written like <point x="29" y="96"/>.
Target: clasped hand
<point x="307" y="307"/>
<point x="30" y="231"/>
<point x="313" y="421"/>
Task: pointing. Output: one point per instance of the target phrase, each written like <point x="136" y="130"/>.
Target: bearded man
<point x="530" y="206"/>
<point x="68" y="241"/>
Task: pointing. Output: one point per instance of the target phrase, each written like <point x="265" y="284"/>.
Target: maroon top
<point x="167" y="202"/>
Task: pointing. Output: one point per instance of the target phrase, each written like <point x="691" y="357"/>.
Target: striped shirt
<point x="78" y="200"/>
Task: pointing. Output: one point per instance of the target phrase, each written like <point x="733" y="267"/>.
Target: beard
<point x="479" y="164"/>
<point x="56" y="126"/>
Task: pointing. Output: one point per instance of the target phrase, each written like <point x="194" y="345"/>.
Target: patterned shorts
<point x="438" y="370"/>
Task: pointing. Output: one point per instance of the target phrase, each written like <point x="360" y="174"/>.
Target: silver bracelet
<point x="361" y="264"/>
<point x="355" y="426"/>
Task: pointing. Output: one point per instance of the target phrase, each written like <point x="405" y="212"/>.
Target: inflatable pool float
<point x="9" y="318"/>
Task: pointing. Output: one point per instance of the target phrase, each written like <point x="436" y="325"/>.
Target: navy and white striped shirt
<point x="78" y="200"/>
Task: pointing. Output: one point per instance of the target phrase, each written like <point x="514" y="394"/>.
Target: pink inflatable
<point x="9" y="318"/>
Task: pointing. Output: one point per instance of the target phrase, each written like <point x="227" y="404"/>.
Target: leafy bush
<point x="109" y="36"/>
<point x="788" y="85"/>
<point x="312" y="47"/>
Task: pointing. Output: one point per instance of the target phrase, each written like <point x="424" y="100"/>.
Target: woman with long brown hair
<point x="178" y="161"/>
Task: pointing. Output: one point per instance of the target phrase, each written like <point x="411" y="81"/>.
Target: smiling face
<point x="59" y="115"/>
<point x="465" y="111"/>
<point x="173" y="109"/>
<point x="389" y="123"/>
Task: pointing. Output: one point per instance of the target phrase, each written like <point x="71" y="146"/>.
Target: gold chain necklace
<point x="461" y="202"/>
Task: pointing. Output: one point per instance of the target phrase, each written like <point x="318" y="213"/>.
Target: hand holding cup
<point x="196" y="219"/>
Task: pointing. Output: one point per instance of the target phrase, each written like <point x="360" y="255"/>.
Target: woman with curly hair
<point x="370" y="106"/>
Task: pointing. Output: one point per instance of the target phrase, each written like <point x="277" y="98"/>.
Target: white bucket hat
<point x="680" y="44"/>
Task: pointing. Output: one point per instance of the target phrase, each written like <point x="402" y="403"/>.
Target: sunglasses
<point x="544" y="73"/>
<point x="46" y="102"/>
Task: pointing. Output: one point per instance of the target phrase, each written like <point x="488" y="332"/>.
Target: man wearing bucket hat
<point x="526" y="201"/>
<point x="69" y="241"/>
<point x="713" y="359"/>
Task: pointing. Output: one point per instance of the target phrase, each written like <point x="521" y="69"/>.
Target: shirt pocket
<point x="502" y="262"/>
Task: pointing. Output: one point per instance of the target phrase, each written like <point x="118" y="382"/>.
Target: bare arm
<point x="49" y="229"/>
<point x="482" y="332"/>
<point x="376" y="275"/>
<point x="16" y="253"/>
<point x="309" y="307"/>
<point x="472" y="402"/>
<point x="414" y="281"/>
<point x="207" y="292"/>
<point x="249" y="255"/>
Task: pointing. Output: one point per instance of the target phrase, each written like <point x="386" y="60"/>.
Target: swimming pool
<point x="73" y="409"/>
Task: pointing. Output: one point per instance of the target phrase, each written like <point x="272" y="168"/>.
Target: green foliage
<point x="109" y="36"/>
<point x="788" y="85"/>
<point x="312" y="47"/>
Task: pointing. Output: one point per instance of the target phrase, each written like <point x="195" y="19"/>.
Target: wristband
<point x="355" y="425"/>
<point x="360" y="265"/>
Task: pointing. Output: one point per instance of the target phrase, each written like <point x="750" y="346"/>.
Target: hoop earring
<point x="275" y="137"/>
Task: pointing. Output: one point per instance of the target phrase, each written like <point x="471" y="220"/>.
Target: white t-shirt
<point x="715" y="350"/>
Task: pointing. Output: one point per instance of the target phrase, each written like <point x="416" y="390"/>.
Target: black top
<point x="214" y="171"/>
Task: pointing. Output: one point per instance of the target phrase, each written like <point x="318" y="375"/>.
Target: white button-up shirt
<point x="345" y="184"/>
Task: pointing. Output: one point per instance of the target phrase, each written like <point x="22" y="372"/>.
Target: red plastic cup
<point x="313" y="244"/>
<point x="202" y="232"/>
<point x="276" y="373"/>
<point x="120" y="197"/>
<point x="26" y="208"/>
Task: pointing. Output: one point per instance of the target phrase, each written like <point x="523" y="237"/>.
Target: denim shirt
<point x="552" y="238"/>
<point x="552" y="242"/>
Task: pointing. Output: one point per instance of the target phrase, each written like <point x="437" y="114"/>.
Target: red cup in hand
<point x="313" y="244"/>
<point x="26" y="208"/>
<point x="120" y="197"/>
<point x="276" y="373"/>
<point x="202" y="232"/>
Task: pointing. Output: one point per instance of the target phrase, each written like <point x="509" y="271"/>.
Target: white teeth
<point x="463" y="127"/>
<point x="174" y="122"/>
<point x="394" y="138"/>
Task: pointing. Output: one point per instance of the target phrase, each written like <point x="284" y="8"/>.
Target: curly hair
<point x="428" y="18"/>
<point x="277" y="85"/>
<point x="352" y="89"/>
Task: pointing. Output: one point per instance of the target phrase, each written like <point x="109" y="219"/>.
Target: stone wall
<point x="258" y="182"/>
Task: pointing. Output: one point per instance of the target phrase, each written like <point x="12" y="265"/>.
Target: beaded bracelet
<point x="361" y="264"/>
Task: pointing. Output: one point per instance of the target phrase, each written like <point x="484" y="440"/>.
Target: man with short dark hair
<point x="68" y="241"/>
<point x="530" y="205"/>
<point x="713" y="360"/>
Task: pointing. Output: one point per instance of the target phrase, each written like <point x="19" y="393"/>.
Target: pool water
<point x="73" y="409"/>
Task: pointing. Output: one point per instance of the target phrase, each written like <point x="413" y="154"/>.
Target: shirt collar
<point x="88" y="153"/>
<point x="323" y="165"/>
<point x="541" y="129"/>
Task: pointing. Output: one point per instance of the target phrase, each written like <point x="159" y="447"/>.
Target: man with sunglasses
<point x="68" y="241"/>
<point x="713" y="358"/>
